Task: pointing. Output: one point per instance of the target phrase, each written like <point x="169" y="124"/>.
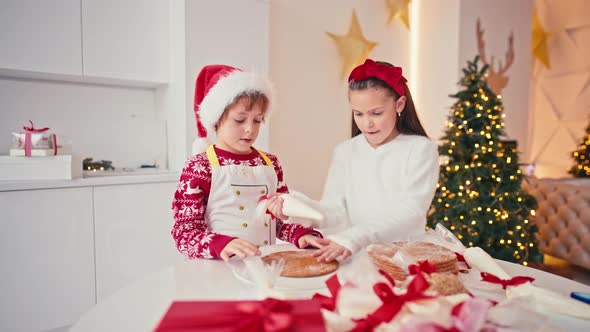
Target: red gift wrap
<point x="270" y="315"/>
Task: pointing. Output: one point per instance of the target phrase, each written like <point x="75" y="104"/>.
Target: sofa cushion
<point x="563" y="217"/>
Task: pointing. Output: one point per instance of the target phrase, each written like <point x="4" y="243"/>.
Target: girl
<point x="215" y="202"/>
<point x="382" y="180"/>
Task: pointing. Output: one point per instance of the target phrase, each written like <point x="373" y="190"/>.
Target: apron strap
<point x="264" y="156"/>
<point x="214" y="161"/>
<point x="212" y="156"/>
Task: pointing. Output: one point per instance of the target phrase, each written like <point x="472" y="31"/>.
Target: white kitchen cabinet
<point x="132" y="230"/>
<point x="46" y="258"/>
<point x="41" y="36"/>
<point x="126" y="39"/>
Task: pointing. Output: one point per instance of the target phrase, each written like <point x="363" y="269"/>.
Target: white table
<point x="139" y="306"/>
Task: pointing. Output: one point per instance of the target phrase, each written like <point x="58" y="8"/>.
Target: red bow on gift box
<point x="29" y="133"/>
<point x="327" y="302"/>
<point x="392" y="303"/>
<point x="32" y="128"/>
<point x="270" y="315"/>
<point x="518" y="280"/>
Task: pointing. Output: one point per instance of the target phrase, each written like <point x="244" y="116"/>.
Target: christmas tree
<point x="479" y="195"/>
<point x="582" y="157"/>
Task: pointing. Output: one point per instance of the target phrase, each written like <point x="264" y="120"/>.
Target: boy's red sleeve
<point x="190" y="232"/>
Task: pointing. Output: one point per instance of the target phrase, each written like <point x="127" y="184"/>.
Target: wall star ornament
<point x="353" y="47"/>
<point x="539" y="42"/>
<point x="399" y="9"/>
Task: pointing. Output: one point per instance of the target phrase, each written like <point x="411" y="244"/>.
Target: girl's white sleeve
<point x="405" y="216"/>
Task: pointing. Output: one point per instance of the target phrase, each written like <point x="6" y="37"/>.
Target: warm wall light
<point x="414" y="41"/>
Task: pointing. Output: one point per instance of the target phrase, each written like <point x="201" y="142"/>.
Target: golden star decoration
<point x="353" y="47"/>
<point x="539" y="42"/>
<point x="399" y="9"/>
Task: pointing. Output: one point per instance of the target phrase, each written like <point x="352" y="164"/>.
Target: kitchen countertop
<point x="131" y="178"/>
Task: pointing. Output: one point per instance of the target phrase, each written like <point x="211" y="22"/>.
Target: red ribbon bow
<point x="392" y="303"/>
<point x="327" y="302"/>
<point x="518" y="280"/>
<point x="424" y="266"/>
<point x="389" y="74"/>
<point x="32" y="128"/>
<point x="28" y="136"/>
<point x="270" y="315"/>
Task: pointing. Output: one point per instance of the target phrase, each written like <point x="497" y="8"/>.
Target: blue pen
<point x="584" y="297"/>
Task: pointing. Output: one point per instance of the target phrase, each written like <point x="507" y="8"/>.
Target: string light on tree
<point x="479" y="196"/>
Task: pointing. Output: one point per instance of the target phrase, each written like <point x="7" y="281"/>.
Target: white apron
<point x="234" y="194"/>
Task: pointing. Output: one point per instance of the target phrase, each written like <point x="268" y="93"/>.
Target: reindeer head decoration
<point x="495" y="77"/>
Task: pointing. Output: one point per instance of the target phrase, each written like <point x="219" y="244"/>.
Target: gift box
<point x="39" y="140"/>
<point x="269" y="315"/>
<point x="35" y="168"/>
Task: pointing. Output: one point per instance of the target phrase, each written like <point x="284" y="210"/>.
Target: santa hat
<point x="216" y="88"/>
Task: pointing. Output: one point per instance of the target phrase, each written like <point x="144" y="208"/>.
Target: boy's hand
<point x="311" y="240"/>
<point x="240" y="248"/>
<point x="274" y="204"/>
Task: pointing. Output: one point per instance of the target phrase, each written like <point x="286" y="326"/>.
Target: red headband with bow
<point x="389" y="74"/>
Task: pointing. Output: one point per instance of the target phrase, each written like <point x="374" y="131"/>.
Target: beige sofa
<point x="563" y="217"/>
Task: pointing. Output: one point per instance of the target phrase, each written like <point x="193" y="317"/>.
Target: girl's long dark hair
<point x="408" y="123"/>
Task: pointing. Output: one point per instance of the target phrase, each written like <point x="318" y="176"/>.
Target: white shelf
<point x="164" y="176"/>
<point x="79" y="79"/>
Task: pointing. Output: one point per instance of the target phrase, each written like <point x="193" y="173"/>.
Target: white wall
<point x="560" y="95"/>
<point x="498" y="19"/>
<point x="170" y="98"/>
<point x="437" y="62"/>
<point x="224" y="32"/>
<point x="447" y="40"/>
<point x="312" y="108"/>
<point x="313" y="112"/>
<point x="103" y="122"/>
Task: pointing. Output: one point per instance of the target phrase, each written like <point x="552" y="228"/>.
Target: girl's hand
<point x="240" y="248"/>
<point x="311" y="240"/>
<point x="274" y="204"/>
<point x="331" y="251"/>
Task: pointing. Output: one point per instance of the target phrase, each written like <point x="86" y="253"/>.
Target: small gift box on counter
<point x="35" y="142"/>
<point x="32" y="138"/>
<point x="269" y="315"/>
<point x="35" y="154"/>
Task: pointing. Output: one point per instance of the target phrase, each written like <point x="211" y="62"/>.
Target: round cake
<point x="381" y="254"/>
<point x="300" y="264"/>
